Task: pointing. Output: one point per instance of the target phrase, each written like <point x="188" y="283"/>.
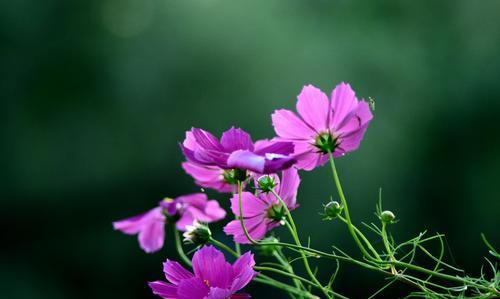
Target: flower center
<point x="205" y="281"/>
<point x="326" y="142"/>
<point x="276" y="212"/>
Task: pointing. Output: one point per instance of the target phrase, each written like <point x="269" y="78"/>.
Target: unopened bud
<point x="387" y="216"/>
<point x="266" y="183"/>
<point x="332" y="210"/>
<point x="198" y="233"/>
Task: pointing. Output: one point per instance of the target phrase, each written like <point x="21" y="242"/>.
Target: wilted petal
<point x="313" y="107"/>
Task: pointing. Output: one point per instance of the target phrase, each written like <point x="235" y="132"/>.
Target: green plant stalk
<point x="285" y="287"/>
<point x="293" y="231"/>
<point x="346" y="209"/>
<point x="236" y="245"/>
<point x="284" y="273"/>
<point x="368" y="244"/>
<point x="180" y="250"/>
<point x="289" y="268"/>
<point x="388" y="247"/>
<point x="224" y="246"/>
<point x="380" y="270"/>
<point x="240" y="191"/>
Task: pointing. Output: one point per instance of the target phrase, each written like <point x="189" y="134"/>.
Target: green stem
<point x="285" y="287"/>
<point x="288" y="267"/>
<point x="180" y="251"/>
<point x="293" y="231"/>
<point x="284" y="273"/>
<point x="368" y="244"/>
<point x="385" y="239"/>
<point x="240" y="191"/>
<point x="447" y="277"/>
<point x="236" y="244"/>
<point x="224" y="246"/>
<point x="345" y="208"/>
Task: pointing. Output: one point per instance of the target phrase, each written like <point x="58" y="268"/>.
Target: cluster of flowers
<point x="303" y="142"/>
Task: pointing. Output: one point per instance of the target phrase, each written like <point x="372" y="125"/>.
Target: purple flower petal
<point x="244" y="273"/>
<point x="218" y="293"/>
<point x="175" y="273"/>
<point x="193" y="288"/>
<point x="308" y="157"/>
<point x="206" y="140"/>
<point x="150" y="226"/>
<point x="276" y="162"/>
<point x="207" y="176"/>
<point x="246" y="160"/>
<point x="256" y="226"/>
<point x="287" y="125"/>
<point x="163" y="289"/>
<point x="236" y="139"/>
<point x="251" y="205"/>
<point x="210" y="265"/>
<point x="288" y="187"/>
<point x="343" y="103"/>
<point x="313" y="107"/>
<point x="263" y="147"/>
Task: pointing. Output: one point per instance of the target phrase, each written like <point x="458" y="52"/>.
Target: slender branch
<point x="240" y="191"/>
<point x="346" y="209"/>
<point x="287" y="288"/>
<point x="284" y="273"/>
<point x="224" y="246"/>
<point x="368" y="244"/>
<point x="293" y="231"/>
<point x="180" y="250"/>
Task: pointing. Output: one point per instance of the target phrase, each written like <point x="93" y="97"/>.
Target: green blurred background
<point x="96" y="96"/>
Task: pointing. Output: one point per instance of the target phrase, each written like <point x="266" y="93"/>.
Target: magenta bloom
<point x="150" y="226"/>
<point x="236" y="150"/>
<point x="209" y="176"/>
<point x="263" y="212"/>
<point x="213" y="277"/>
<point x="322" y="125"/>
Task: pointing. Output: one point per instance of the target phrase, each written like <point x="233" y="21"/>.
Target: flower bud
<point x="269" y="249"/>
<point x="387" y="216"/>
<point x="332" y="210"/>
<point x="198" y="233"/>
<point x="266" y="183"/>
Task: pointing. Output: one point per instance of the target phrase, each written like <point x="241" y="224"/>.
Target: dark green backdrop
<point x="96" y="95"/>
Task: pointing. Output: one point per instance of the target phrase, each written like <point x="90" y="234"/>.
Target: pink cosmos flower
<point x="213" y="277"/>
<point x="337" y="126"/>
<point x="236" y="150"/>
<point x="263" y="212"/>
<point x="150" y="226"/>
